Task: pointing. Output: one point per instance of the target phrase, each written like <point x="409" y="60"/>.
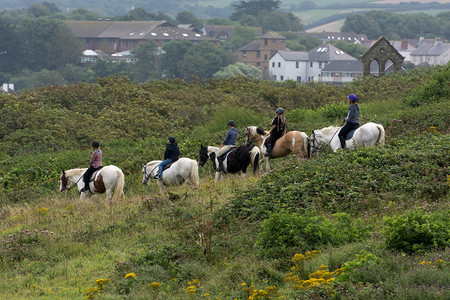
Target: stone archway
<point x="382" y="51"/>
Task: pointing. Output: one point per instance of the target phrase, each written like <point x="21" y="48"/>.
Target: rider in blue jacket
<point x="228" y="143"/>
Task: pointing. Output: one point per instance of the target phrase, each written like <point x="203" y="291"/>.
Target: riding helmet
<point x="171" y="139"/>
<point x="279" y="111"/>
<point x="352" y="97"/>
<point x="95" y="144"/>
<point x="231" y="123"/>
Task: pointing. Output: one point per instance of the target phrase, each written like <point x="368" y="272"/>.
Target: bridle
<point x="314" y="141"/>
<point x="147" y="175"/>
<point x="75" y="184"/>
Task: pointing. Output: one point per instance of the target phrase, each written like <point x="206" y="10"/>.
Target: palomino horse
<point x="367" y="135"/>
<point x="105" y="180"/>
<point x="184" y="169"/>
<point x="295" y="142"/>
<point x="236" y="160"/>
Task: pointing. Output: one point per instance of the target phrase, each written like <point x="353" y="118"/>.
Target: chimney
<point x="404" y="45"/>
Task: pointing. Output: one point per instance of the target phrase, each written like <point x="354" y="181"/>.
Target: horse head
<point x="203" y="155"/>
<point x="64" y="181"/>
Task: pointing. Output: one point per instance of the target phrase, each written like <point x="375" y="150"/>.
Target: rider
<point x="228" y="143"/>
<point x="277" y="130"/>
<point x="171" y="154"/>
<point x="352" y="119"/>
<point x="94" y="165"/>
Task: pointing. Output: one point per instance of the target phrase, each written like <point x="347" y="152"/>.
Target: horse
<point x="105" y="180"/>
<point x="295" y="142"/>
<point x="366" y="135"/>
<point x="236" y="160"/>
<point x="184" y="169"/>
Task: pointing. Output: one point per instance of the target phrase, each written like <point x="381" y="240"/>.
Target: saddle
<point x="224" y="156"/>
<point x="99" y="186"/>
<point x="169" y="165"/>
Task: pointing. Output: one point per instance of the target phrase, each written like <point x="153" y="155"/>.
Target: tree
<point x="253" y="7"/>
<point x="187" y="17"/>
<point x="363" y="24"/>
<point x="172" y="58"/>
<point x="147" y="55"/>
<point x="204" y="59"/>
<point x="350" y="48"/>
<point x="82" y="14"/>
<point x="278" y="20"/>
<point x="239" y="69"/>
<point x="243" y="35"/>
<point x="66" y="48"/>
<point x="9" y="46"/>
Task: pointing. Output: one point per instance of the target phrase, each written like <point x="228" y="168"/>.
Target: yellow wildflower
<point x="132" y="275"/>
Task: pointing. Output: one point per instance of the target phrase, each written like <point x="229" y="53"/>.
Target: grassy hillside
<point x="366" y="224"/>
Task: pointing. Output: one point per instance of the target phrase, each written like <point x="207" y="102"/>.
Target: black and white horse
<point x="236" y="160"/>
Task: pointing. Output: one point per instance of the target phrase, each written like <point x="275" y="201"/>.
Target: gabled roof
<point x="381" y="44"/>
<point x="352" y="66"/>
<point x="437" y="49"/>
<point x="251" y="46"/>
<point x="134" y="30"/>
<point x="293" y="55"/>
<point x="273" y="35"/>
<point x="337" y="36"/>
<point x="328" y="52"/>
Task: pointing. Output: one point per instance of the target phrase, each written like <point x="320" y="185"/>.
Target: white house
<point x="345" y="71"/>
<point x="304" y="66"/>
<point x="436" y="53"/>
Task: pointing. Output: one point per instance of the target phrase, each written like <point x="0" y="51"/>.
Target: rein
<point x="315" y="140"/>
<point x="147" y="175"/>
<point x="75" y="184"/>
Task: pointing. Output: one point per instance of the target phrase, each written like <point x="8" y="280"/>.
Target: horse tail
<point x="382" y="136"/>
<point x="254" y="156"/>
<point x="194" y="173"/>
<point x="118" y="189"/>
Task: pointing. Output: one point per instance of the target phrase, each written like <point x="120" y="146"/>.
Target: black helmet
<point x="231" y="123"/>
<point x="95" y="144"/>
<point x="279" y="111"/>
<point x="171" y="139"/>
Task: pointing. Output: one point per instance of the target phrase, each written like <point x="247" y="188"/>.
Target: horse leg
<point x="267" y="164"/>
<point x="108" y="193"/>
<point x="217" y="176"/>
<point x="161" y="185"/>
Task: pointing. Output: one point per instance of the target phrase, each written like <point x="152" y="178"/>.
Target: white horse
<point x="295" y="142"/>
<point x="367" y="135"/>
<point x="105" y="180"/>
<point x="184" y="169"/>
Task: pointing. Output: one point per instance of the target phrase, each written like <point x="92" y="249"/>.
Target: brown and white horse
<point x="106" y="180"/>
<point x="295" y="142"/>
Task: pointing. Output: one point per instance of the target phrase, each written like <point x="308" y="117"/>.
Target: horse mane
<point x="327" y="130"/>
<point x="260" y="131"/>
<point x="74" y="172"/>
<point x="153" y="162"/>
<point x="212" y="149"/>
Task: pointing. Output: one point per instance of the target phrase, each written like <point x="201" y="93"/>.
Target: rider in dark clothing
<point x="352" y="119"/>
<point x="277" y="130"/>
<point x="171" y="154"/>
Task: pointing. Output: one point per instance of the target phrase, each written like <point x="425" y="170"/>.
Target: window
<point x="274" y="77"/>
<point x="281" y="77"/>
<point x="244" y="53"/>
<point x="258" y="65"/>
<point x="297" y="64"/>
<point x="266" y="42"/>
<point x="273" y="64"/>
<point x="265" y="56"/>
<point x="299" y="78"/>
<point x="258" y="54"/>
<point x="279" y="64"/>
<point x="311" y="64"/>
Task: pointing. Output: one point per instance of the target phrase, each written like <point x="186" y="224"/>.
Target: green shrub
<point x="284" y="233"/>
<point x="435" y="89"/>
<point x="416" y="231"/>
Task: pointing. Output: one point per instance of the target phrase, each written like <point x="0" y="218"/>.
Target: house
<point x="404" y="47"/>
<point x="302" y="66"/>
<point x="345" y="71"/>
<point x="7" y="88"/>
<point x="124" y="56"/>
<point x="436" y="53"/>
<point x="118" y="36"/>
<point x="222" y="32"/>
<point x="258" y="53"/>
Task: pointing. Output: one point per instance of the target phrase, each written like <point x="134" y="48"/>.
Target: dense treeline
<point x="399" y="26"/>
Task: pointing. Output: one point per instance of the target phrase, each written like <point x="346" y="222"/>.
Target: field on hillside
<point x="366" y="224"/>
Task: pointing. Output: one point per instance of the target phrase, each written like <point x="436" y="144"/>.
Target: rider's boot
<point x="220" y="164"/>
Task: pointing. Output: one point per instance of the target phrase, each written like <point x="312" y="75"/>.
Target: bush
<point x="416" y="231"/>
<point x="284" y="233"/>
<point x="435" y="89"/>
